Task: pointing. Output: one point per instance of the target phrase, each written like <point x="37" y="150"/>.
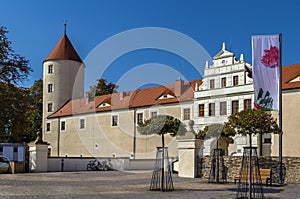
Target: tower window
<point x="50" y="107"/>
<point x="50" y="88"/>
<point x="48" y="127"/>
<point x="50" y="69"/>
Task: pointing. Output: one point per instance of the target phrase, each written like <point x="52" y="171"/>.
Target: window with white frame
<point x="50" y="88"/>
<point x="48" y="127"/>
<point x="223" y="82"/>
<point x="234" y="106"/>
<point x="153" y="114"/>
<point x="63" y="125"/>
<point x="82" y="123"/>
<point x="140" y="118"/>
<point x="201" y="110"/>
<point x="223" y="108"/>
<point x="49" y="107"/>
<point x="212" y="83"/>
<point x="114" y="120"/>
<point x="247" y="104"/>
<point x="186" y="113"/>
<point x="50" y="69"/>
<point x="235" y="80"/>
<point x="211" y="109"/>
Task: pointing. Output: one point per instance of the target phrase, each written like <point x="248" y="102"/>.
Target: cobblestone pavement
<point x="117" y="184"/>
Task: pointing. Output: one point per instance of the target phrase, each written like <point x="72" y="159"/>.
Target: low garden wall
<point x="58" y="164"/>
<point x="291" y="167"/>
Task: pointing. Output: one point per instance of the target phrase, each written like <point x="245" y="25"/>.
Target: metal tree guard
<point x="217" y="167"/>
<point x="162" y="176"/>
<point x="250" y="185"/>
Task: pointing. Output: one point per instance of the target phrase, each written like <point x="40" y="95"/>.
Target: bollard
<point x="62" y="165"/>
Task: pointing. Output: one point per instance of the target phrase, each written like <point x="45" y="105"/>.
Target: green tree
<point x="161" y="125"/>
<point x="251" y="122"/>
<point x="34" y="113"/>
<point x="102" y="88"/>
<point x="14" y="69"/>
<point x="213" y="131"/>
<point x="216" y="131"/>
<point x="13" y="108"/>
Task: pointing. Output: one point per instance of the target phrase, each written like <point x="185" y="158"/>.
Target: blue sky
<point x="36" y="26"/>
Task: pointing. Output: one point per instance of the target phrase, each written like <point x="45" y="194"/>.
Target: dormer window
<point x="104" y="105"/>
<point x="166" y="96"/>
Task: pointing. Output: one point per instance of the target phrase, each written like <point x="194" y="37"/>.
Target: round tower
<point x="63" y="78"/>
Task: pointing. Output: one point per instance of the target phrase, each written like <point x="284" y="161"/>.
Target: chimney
<point x="121" y="95"/>
<point x="179" y="87"/>
<point x="89" y="97"/>
<point x="86" y="98"/>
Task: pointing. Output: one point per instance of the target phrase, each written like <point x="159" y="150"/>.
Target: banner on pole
<point x="266" y="71"/>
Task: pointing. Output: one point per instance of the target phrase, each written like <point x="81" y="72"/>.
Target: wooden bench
<point x="265" y="175"/>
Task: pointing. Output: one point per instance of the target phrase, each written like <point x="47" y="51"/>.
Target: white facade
<point x="226" y="89"/>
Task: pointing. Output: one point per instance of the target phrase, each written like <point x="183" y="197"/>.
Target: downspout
<point x="134" y="132"/>
<point x="58" y="136"/>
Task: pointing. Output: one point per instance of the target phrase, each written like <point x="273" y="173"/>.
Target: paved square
<point x="117" y="184"/>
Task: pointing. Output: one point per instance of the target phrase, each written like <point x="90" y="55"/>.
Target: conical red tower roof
<point x="64" y="50"/>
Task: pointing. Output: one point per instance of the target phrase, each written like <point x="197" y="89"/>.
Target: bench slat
<point x="265" y="175"/>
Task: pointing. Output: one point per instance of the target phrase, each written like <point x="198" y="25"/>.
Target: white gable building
<point x="225" y="89"/>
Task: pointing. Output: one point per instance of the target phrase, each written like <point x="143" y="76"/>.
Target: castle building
<point x="226" y="89"/>
<point x="107" y="125"/>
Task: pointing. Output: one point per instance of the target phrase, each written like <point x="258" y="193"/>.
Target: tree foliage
<point x="102" y="88"/>
<point x="15" y="100"/>
<point x="13" y="67"/>
<point x="34" y="113"/>
<point x="251" y="121"/>
<point x="13" y="108"/>
<point x="160" y="125"/>
<point x="213" y="131"/>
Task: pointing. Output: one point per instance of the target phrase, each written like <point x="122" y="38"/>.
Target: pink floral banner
<point x="266" y="71"/>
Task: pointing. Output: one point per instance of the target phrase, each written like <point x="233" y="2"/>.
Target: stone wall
<point x="291" y="167"/>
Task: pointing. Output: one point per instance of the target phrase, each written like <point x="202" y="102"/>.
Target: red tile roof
<point x="289" y="73"/>
<point x="132" y="99"/>
<point x="150" y="96"/>
<point x="63" y="50"/>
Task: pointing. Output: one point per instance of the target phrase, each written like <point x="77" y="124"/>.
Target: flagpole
<point x="280" y="111"/>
